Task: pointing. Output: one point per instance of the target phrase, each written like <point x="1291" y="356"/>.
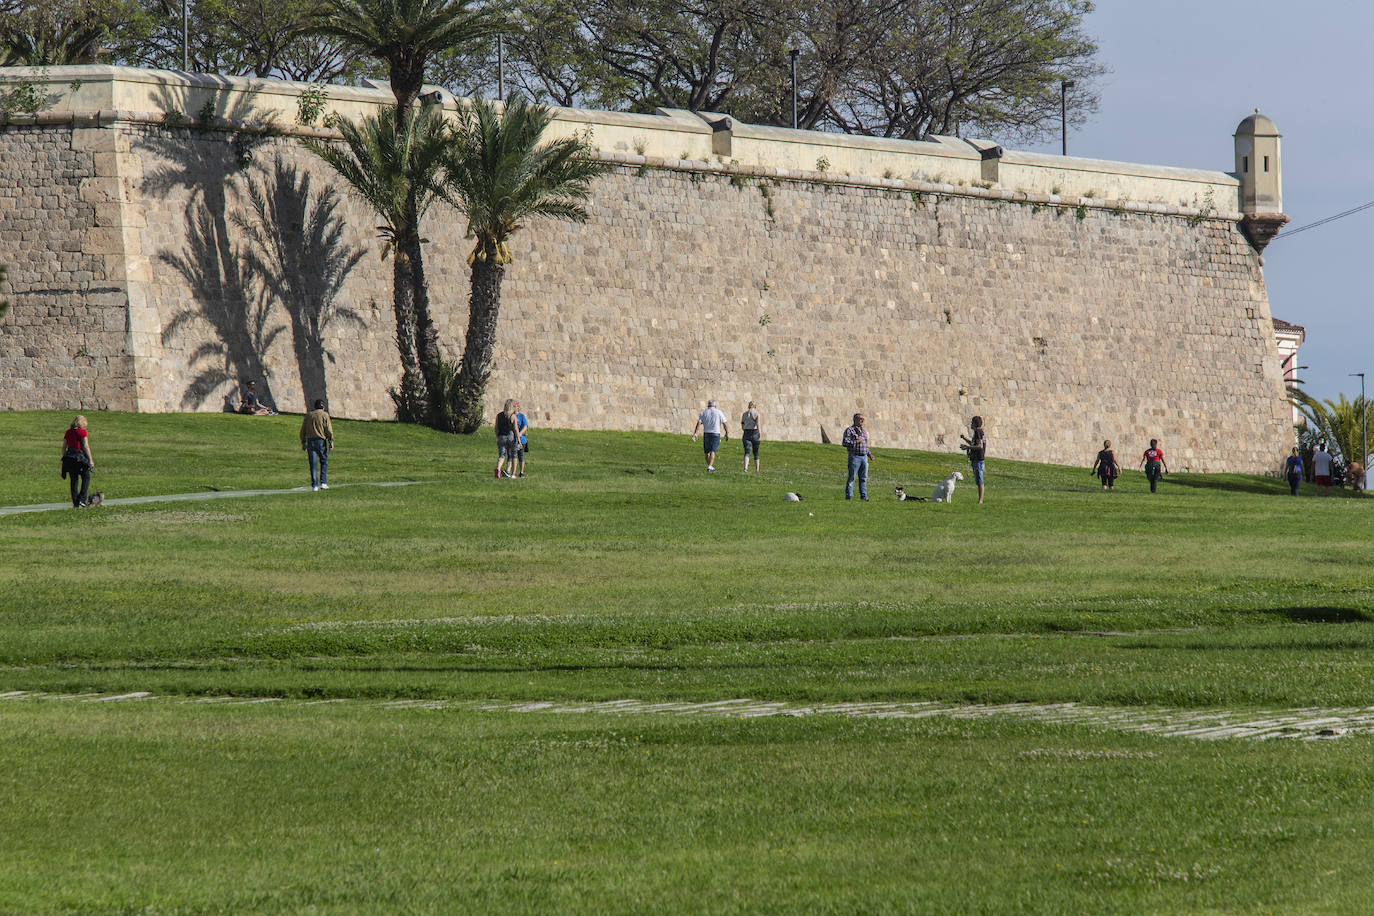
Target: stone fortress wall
<point x="156" y="261"/>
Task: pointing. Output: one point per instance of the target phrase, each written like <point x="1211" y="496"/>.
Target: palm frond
<point x="381" y="164"/>
<point x="500" y="175"/>
<point x="404" y="33"/>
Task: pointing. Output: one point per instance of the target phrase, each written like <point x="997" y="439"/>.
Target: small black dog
<point x="97" y="499"/>
<point x="903" y="498"/>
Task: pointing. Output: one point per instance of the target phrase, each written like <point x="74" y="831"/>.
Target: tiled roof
<point x="1281" y="325"/>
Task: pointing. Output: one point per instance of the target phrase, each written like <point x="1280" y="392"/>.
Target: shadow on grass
<point x="1235" y="483"/>
<point x="1324" y="614"/>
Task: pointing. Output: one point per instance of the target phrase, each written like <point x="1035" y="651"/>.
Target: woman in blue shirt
<point x="1292" y="469"/>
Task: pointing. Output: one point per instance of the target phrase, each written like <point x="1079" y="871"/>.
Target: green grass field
<point x="619" y="570"/>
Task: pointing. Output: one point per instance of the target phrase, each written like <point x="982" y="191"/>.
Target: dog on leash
<point x="97" y="499"/>
<point x="944" y="490"/>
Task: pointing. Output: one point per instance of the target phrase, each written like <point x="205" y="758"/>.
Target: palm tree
<point x="407" y="35"/>
<point x="499" y="175"/>
<point x="1340" y="421"/>
<point x="52" y="37"/>
<point x="396" y="172"/>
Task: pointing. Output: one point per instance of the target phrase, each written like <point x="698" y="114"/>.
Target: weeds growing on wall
<point x="310" y="105"/>
<point x="4" y="305"/>
<point x="1205" y="209"/>
<point x="22" y="97"/>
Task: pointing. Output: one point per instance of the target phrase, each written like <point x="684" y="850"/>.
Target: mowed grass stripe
<point x="1307" y="724"/>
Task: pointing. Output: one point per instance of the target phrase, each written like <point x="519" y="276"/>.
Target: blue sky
<point x="1183" y="75"/>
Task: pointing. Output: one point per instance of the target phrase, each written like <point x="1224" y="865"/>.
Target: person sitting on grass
<point x="252" y="405"/>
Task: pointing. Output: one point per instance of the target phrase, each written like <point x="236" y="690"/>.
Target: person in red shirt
<point x="1154" y="464"/>
<point x="77" y="462"/>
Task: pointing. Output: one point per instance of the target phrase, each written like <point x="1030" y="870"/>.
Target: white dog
<point x="944" y="490"/>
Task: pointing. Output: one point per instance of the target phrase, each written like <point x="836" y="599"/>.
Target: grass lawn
<point x="618" y="569"/>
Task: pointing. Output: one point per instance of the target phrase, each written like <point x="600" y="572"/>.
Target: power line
<point x="1322" y="222"/>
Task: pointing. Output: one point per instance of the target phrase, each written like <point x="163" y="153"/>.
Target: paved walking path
<point x="191" y="497"/>
<point x="1306" y="724"/>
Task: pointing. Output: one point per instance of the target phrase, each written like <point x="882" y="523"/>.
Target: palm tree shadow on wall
<point x="296" y="250"/>
<point x="221" y="291"/>
<point x="206" y="161"/>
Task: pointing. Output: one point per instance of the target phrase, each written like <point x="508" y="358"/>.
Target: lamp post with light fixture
<point x="1064" y="87"/>
<point x="794" y="54"/>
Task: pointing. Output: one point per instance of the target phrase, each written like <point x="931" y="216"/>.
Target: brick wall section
<point x="65" y="341"/>
<point x="1061" y="326"/>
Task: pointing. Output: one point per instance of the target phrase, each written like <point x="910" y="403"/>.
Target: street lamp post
<point x="794" y="54"/>
<point x="1364" y="422"/>
<point x="1064" y="87"/>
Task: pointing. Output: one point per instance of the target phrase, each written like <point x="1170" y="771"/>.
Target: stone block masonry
<point x="153" y="267"/>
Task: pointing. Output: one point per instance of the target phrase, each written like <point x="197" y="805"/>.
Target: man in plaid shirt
<point x="855" y="439"/>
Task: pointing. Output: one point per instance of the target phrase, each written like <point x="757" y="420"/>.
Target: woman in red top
<point x="1154" y="464"/>
<point x="77" y="462"/>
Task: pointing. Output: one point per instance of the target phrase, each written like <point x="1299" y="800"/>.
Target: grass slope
<point x="619" y="569"/>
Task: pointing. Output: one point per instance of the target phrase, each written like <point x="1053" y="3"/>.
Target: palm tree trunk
<point x="426" y="336"/>
<point x="411" y="405"/>
<point x="484" y="305"/>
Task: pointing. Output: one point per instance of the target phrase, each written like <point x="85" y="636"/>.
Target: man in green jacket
<point x="317" y="438"/>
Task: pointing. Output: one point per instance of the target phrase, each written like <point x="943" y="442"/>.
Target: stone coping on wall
<point x="707" y="140"/>
<point x="733" y="170"/>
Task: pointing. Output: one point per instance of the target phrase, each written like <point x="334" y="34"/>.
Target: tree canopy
<point x="890" y="68"/>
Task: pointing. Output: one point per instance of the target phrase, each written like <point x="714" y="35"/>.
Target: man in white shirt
<point x="1321" y="469"/>
<point x="711" y="424"/>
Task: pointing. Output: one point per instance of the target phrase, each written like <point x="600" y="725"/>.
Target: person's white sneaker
<point x="314" y="489"/>
<point x="324" y="486"/>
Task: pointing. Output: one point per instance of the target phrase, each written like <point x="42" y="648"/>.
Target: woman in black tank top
<point x="750" y="424"/>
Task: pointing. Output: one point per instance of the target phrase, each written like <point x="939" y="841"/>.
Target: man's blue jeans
<point x="318" y="450"/>
<point x="858" y="467"/>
